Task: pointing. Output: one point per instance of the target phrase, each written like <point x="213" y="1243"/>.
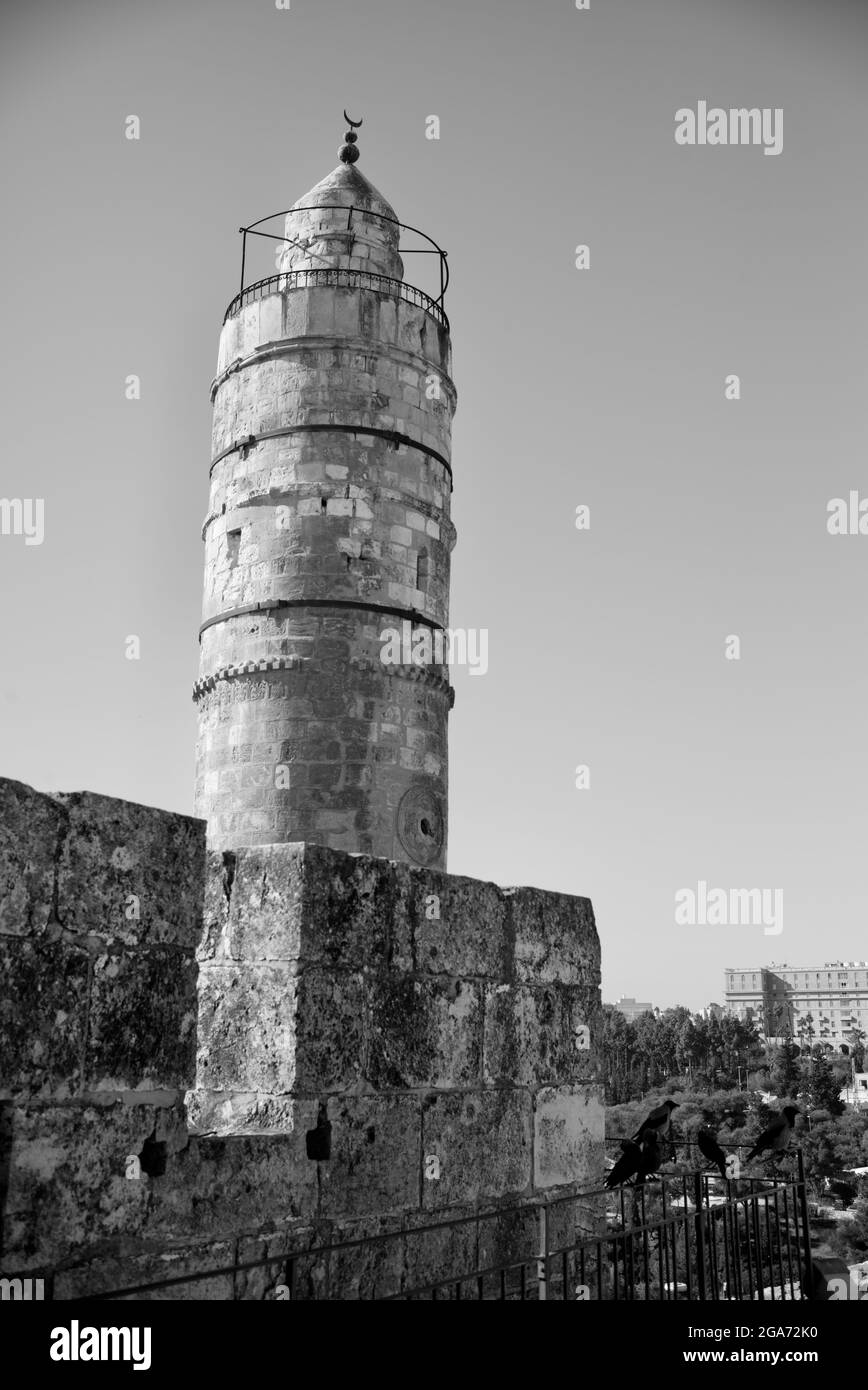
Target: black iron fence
<point x="689" y="1235"/>
<point x="341" y="278"/>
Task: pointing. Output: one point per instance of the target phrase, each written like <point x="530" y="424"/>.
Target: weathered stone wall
<point x="331" y="535"/>
<point x="362" y="1026"/>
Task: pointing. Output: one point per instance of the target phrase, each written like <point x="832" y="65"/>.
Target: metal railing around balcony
<point x="340" y="278"/>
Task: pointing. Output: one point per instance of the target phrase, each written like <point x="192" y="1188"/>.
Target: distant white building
<point x="856" y="1092"/>
<point x="632" y="1008"/>
<point x="817" y="1005"/>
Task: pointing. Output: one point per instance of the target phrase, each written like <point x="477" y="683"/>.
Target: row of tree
<point x="713" y="1053"/>
<point x="637" y="1055"/>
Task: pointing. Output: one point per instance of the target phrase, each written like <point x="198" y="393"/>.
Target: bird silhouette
<point x="658" y="1122"/>
<point x="777" y="1136"/>
<point x="627" y="1165"/>
<point x="650" y="1158"/>
<point x="710" y="1149"/>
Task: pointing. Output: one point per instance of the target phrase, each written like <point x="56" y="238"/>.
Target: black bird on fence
<point x="627" y="1165"/>
<point x="650" y="1158"/>
<point x="777" y="1136"/>
<point x="708" y="1146"/>
<point x="658" y="1122"/>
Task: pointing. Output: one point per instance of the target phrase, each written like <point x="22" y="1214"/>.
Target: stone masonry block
<point x="555" y="938"/>
<point x="532" y="1034"/>
<point x="68" y="1187"/>
<point x="142" y="1028"/>
<point x="424" y="1033"/>
<point x="31" y="826"/>
<point x="330" y="1017"/>
<point x="460" y="926"/>
<point x="246" y="1037"/>
<point x="268" y="1029"/>
<point x="43" y="1016"/>
<point x="358" y="909"/>
<point x="375" y="1155"/>
<point x="266" y="902"/>
<point x="219" y="882"/>
<point x="131" y="872"/>
<point x="238" y="1182"/>
<point x="568" y="1135"/>
<point x="320" y="907"/>
<point x="482" y="1141"/>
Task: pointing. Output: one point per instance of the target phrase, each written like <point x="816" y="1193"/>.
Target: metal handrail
<point x="432" y="249"/>
<point x="730" y="1251"/>
<point x="341" y="278"/>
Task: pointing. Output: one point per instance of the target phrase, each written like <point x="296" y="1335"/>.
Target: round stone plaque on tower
<point x="420" y="824"/>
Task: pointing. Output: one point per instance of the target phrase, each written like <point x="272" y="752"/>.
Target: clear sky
<point x="603" y="387"/>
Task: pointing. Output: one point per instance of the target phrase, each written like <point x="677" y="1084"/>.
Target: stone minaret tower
<point x="328" y="525"/>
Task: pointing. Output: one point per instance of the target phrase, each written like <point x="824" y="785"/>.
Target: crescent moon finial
<point x="349" y="150"/>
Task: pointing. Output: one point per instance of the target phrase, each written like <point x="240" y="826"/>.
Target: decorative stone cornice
<point x="427" y="675"/>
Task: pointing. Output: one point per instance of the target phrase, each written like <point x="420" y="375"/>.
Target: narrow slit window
<point x="233" y="545"/>
<point x="422" y="569"/>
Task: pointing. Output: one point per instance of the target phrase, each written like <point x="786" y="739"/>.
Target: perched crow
<point x="710" y="1149"/>
<point x="627" y="1166"/>
<point x="777" y="1136"/>
<point x="650" y="1158"/>
<point x="658" y="1121"/>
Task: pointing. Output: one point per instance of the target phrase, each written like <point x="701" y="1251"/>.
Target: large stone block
<point x="142" y="1028"/>
<point x="569" y="1126"/>
<point x="358" y="910"/>
<point x="246" y="1039"/>
<point x="424" y="1033"/>
<point x="374" y="1164"/>
<point x="130" y="872"/>
<point x="268" y="1029"/>
<point x="461" y="927"/>
<point x="266" y="904"/>
<point x="68" y="1185"/>
<point x="43" y="1016"/>
<point x="320" y="907"/>
<point x="330" y="1023"/>
<point x="240" y="1112"/>
<point x="31" y="826"/>
<point x="555" y="938"/>
<point x="239" y="1183"/>
<point x="213" y="941"/>
<point x="536" y="1034"/>
<point x="481" y="1142"/>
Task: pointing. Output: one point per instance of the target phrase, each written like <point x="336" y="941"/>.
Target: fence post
<point x="700" y="1238"/>
<point x="542" y="1266"/>
<point x="807" y="1280"/>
